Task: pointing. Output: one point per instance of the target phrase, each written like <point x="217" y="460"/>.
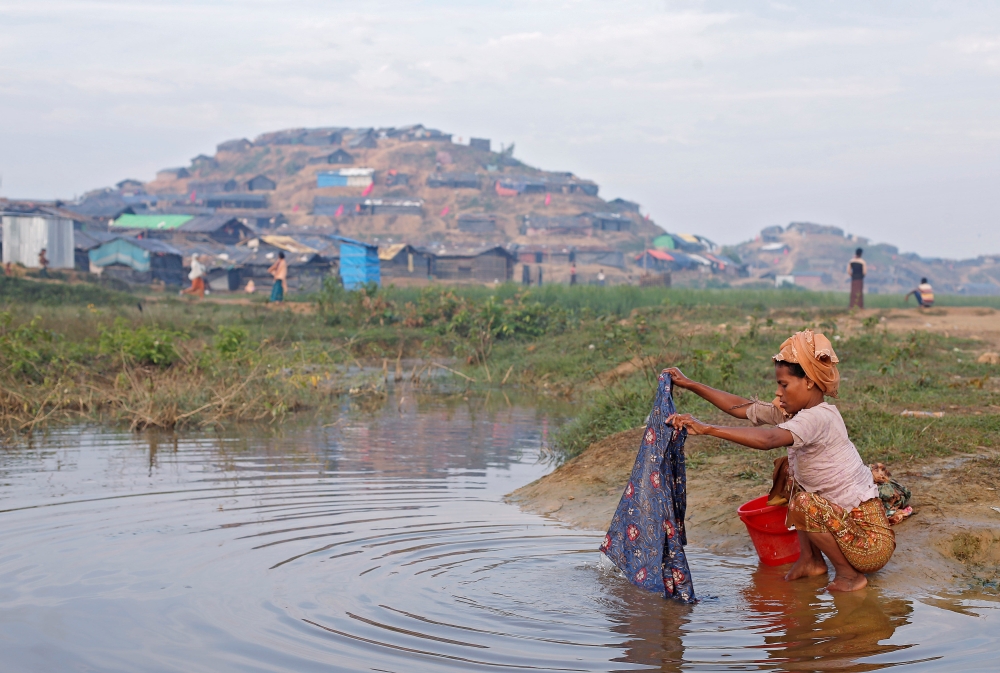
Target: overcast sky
<point x="718" y="117"/>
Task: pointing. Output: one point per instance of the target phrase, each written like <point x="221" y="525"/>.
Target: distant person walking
<point x="572" y="273"/>
<point x="279" y="271"/>
<point x="857" y="268"/>
<point x="43" y="261"/>
<point x="600" y="277"/>
<point x="924" y="294"/>
<point x="197" y="278"/>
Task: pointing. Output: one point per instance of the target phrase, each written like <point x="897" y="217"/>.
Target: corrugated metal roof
<point x="151" y="221"/>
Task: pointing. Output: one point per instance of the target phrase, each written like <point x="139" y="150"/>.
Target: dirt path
<point x="973" y="322"/>
<point x="952" y="541"/>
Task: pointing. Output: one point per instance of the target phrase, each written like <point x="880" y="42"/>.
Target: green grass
<point x="883" y="374"/>
<point x="90" y="349"/>
<point x="20" y="291"/>
<point x="620" y="300"/>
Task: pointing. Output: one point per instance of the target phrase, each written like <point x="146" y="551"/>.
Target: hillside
<point x="816" y="257"/>
<point x="405" y="163"/>
<point x="416" y="185"/>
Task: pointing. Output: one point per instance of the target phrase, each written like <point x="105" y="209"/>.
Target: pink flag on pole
<point x="445" y="211"/>
<point x="193" y="197"/>
<point x="368" y="189"/>
<point x="548" y="199"/>
<point x="340" y="211"/>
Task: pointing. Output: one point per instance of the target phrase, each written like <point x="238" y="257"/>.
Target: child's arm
<point x="734" y="405"/>
<point x="755" y="438"/>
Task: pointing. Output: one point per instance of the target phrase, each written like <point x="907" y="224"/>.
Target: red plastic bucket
<point x="774" y="542"/>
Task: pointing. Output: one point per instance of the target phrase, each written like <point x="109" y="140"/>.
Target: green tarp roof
<point x="666" y="241"/>
<point x="151" y="221"/>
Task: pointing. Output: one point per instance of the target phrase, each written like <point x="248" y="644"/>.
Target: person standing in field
<point x="600" y="277"/>
<point x="857" y="268"/>
<point x="572" y="273"/>
<point x="279" y="271"/>
<point x="924" y="294"/>
<point x="43" y="261"/>
<point x="197" y="277"/>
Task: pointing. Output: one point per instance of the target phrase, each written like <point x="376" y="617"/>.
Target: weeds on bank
<point x="882" y="374"/>
<point x="177" y="362"/>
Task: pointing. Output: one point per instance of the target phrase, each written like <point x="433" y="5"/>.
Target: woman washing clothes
<point x="834" y="504"/>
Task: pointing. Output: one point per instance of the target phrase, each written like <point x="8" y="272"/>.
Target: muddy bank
<point x="951" y="542"/>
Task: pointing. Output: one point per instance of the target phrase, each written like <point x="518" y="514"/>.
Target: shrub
<point x="140" y="345"/>
<point x="231" y="342"/>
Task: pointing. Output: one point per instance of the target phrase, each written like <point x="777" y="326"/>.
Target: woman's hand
<point x="677" y="378"/>
<point x="689" y="423"/>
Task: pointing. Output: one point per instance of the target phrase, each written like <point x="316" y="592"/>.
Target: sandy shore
<point x="951" y="542"/>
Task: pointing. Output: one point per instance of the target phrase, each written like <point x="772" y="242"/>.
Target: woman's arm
<point x="754" y="438"/>
<point x="734" y="405"/>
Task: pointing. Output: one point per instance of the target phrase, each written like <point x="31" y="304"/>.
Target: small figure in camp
<point x="278" y="271"/>
<point x="43" y="262"/>
<point x="251" y="287"/>
<point x="197" y="278"/>
<point x="857" y="268"/>
<point x="924" y="294"/>
<point x="834" y="503"/>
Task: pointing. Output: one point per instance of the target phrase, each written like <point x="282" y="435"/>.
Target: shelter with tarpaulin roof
<point x="402" y="260"/>
<point x="27" y="229"/>
<point x="155" y="226"/>
<point x="306" y="266"/>
<point x="224" y="229"/>
<point x="600" y="256"/>
<point x="485" y="265"/>
<point x="138" y="260"/>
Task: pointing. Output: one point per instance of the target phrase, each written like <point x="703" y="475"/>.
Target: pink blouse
<point x="822" y="458"/>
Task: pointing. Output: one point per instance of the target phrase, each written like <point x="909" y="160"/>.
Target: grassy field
<point x="80" y="351"/>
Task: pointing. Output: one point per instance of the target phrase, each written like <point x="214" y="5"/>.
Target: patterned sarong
<point x="646" y="539"/>
<point x="863" y="533"/>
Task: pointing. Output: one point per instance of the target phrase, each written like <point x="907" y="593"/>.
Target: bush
<point x="231" y="342"/>
<point x="140" y="345"/>
<point x="25" y="348"/>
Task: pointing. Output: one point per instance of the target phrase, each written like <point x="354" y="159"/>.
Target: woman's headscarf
<point x="814" y="353"/>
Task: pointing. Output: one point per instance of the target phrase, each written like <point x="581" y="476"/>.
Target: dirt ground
<point x="952" y="541"/>
<point x="972" y="322"/>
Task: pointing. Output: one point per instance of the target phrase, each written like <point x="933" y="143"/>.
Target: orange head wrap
<point x="814" y="353"/>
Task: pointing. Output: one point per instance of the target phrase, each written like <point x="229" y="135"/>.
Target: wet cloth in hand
<point x="646" y="539"/>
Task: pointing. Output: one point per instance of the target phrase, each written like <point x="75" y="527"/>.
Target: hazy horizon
<point x="720" y="118"/>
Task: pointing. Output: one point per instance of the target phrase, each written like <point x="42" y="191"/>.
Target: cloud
<point x="716" y="116"/>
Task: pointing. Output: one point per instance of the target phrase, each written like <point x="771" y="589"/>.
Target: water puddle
<point x="380" y="542"/>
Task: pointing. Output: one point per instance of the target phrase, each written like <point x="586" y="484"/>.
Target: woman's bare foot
<point x="845" y="583"/>
<point x="806" y="568"/>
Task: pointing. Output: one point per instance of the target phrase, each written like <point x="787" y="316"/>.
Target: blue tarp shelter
<point x="359" y="264"/>
<point x="147" y="259"/>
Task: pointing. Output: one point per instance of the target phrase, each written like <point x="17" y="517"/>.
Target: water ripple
<point x="385" y="545"/>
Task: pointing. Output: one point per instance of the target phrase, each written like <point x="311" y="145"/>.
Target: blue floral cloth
<point x="646" y="539"/>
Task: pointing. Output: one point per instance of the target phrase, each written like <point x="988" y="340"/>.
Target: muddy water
<point x="379" y="542"/>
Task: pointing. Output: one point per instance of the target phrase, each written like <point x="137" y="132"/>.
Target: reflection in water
<point x="811" y="631"/>
<point x="380" y="541"/>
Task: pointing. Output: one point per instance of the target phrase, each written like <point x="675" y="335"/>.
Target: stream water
<point x="379" y="541"/>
